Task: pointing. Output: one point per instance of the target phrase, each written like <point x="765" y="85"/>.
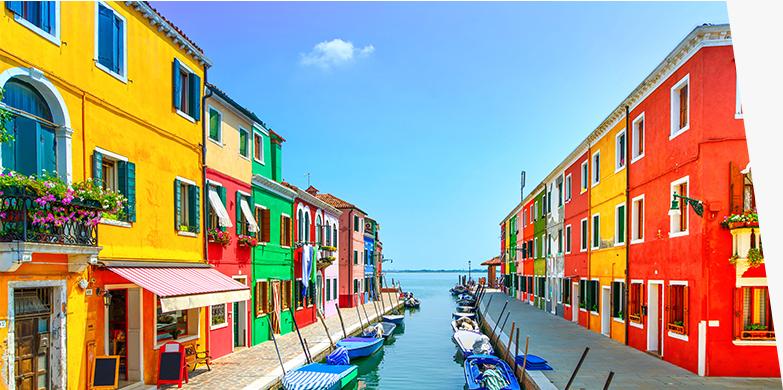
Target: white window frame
<point x="53" y="38"/>
<point x="536" y="211"/>
<point x="181" y="113"/>
<point x="262" y="161"/>
<point x="617" y="242"/>
<point x="124" y="76"/>
<point x="524" y="218"/>
<point x="595" y="176"/>
<point x="675" y="107"/>
<point x="617" y="151"/>
<point x="568" y="188"/>
<point x="595" y="229"/>
<point x="674" y="219"/>
<point x="584" y="224"/>
<point x="535" y="245"/>
<point x="567" y="237"/>
<point x="225" y="319"/>
<point x="635" y="156"/>
<point x="585" y="176"/>
<point x="208" y="115"/>
<point x="635" y="219"/>
<point x="248" y="143"/>
<point x="180" y="339"/>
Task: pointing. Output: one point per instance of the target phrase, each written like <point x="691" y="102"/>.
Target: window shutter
<point x="736" y="187"/>
<point x="14" y="6"/>
<point x="194" y="208"/>
<point x="738" y="325"/>
<point x="177" y="204"/>
<point x="97" y="167"/>
<point x="240" y="221"/>
<point x="684" y="106"/>
<point x="117" y="44"/>
<point x="282" y="230"/>
<point x="177" y="86"/>
<point x="685" y="308"/>
<point x="130" y="178"/>
<point x="106" y="36"/>
<point x="621" y="227"/>
<point x="195" y="96"/>
<point x="668" y="307"/>
<point x="47" y="15"/>
<point x="266" y="225"/>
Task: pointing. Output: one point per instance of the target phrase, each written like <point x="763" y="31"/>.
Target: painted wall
<point x="332" y="272"/>
<point x="223" y="155"/>
<point x="576" y="209"/>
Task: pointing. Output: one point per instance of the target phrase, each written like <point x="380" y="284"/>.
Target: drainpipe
<point x="205" y="197"/>
<point x="628" y="211"/>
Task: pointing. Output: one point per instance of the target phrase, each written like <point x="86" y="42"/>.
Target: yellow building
<point x="113" y="92"/>
<point x="608" y="162"/>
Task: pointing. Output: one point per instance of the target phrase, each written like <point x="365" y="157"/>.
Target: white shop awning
<point x="248" y="215"/>
<point x="217" y="204"/>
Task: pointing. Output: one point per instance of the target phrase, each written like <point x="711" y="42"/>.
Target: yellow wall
<point x="608" y="263"/>
<point x="225" y="157"/>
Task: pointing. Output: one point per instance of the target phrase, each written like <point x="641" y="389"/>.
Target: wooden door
<point x="32" y="353"/>
<point x="274" y="318"/>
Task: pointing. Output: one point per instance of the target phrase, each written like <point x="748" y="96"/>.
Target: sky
<point x="424" y="114"/>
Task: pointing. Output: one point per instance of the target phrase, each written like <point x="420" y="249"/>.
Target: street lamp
<point x="697" y="205"/>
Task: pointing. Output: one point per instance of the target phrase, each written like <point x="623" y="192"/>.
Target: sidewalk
<point x="258" y="367"/>
<point x="562" y="342"/>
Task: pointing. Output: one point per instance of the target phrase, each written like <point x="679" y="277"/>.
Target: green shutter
<point x="195" y="96"/>
<point x="238" y="212"/>
<point x="97" y="167"/>
<point x="126" y="183"/>
<point x="194" y="208"/>
<point x="214" y="125"/>
<point x="621" y="224"/>
<point x="177" y="203"/>
<point x="177" y="85"/>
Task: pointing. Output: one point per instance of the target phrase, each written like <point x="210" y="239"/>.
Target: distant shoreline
<point x="478" y="270"/>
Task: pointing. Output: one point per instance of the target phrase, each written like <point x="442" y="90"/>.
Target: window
<point x="524" y="218"/>
<point x="299" y="298"/>
<point x="677" y="308"/>
<point x="285" y="230"/>
<point x="33" y="149"/>
<point x="175" y="324"/>
<point x="596" y="231"/>
<point x="535" y="247"/>
<point x="585" y="175"/>
<point x="680" y="103"/>
<point x="545" y="247"/>
<point x="536" y="211"/>
<point x="186" y="210"/>
<point x="635" y="299"/>
<point x="618" y="292"/>
<point x="755" y="316"/>
<point x="738" y="109"/>
<point x="356" y="223"/>
<point x="637" y="135"/>
<point x="258" y="147"/>
<point x="593" y="288"/>
<point x="213" y="220"/>
<point x="334" y="235"/>
<point x="328" y="289"/>
<point x="286" y="302"/>
<point x="530" y="249"/>
<point x="111" y="46"/>
<point x="246" y="223"/>
<point x="544" y="208"/>
<point x="637" y="219"/>
<point x="568" y="239"/>
<point x="116" y="173"/>
<point x="334" y="289"/>
<point x="319" y="238"/>
<point x="620" y="151"/>
<point x="560" y="241"/>
<point x="217" y="316"/>
<point x="568" y="187"/>
<point x="244" y="142"/>
<point x="356" y="286"/>
<point x="583" y="235"/>
<point x="263" y="220"/>
<point x="619" y="225"/>
<point x="215" y="125"/>
<point x="186" y="91"/>
<point x="355" y="257"/>
<point x="524" y="250"/>
<point x="559" y="192"/>
<point x="566" y="292"/>
<point x="679" y="221"/>
<point x="42" y="17"/>
<point x="596" y="168"/>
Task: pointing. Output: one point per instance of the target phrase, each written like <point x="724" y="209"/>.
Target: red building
<point x="305" y="214"/>
<point x="687" y="302"/>
<point x="577" y="211"/>
<point x="528" y="230"/>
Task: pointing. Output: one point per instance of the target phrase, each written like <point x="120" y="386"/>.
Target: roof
<point x="171" y="31"/>
<point x="310" y="198"/>
<point x="245" y="111"/>
<point x="493" y="261"/>
<point x="337" y="202"/>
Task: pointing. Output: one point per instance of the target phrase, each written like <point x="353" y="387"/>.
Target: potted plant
<point x="217" y="236"/>
<point x="747" y="219"/>
<point x="676" y="327"/>
<point x="757" y="332"/>
<point x="329" y="248"/>
<point x="755" y="258"/>
<point x="733" y="259"/>
<point x="175" y="333"/>
<point x="245" y="240"/>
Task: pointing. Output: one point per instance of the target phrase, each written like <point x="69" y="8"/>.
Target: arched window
<point x="33" y="149"/>
<point x="307" y="227"/>
<point x="328" y="233"/>
<point x="334" y="234"/>
<point x="300" y="225"/>
<point x="318" y="233"/>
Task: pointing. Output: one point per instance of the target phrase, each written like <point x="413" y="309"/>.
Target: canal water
<point x="422" y="355"/>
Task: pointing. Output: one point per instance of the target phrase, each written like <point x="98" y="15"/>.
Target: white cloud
<point x="328" y="54"/>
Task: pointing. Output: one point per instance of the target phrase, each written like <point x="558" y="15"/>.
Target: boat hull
<point x="360" y="346"/>
<point x="394" y="319"/>
<point x="472" y="372"/>
<point x="321" y="376"/>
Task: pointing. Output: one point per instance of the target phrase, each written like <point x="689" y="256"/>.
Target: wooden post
<point x="301" y="341"/>
<point x="375" y="307"/>
<point x="524" y="361"/>
<point x="307" y="352"/>
<point x="364" y="309"/>
<point x="342" y="324"/>
<point x="609" y="380"/>
<point x="326" y="328"/>
<point x="497" y="337"/>
<point x="498" y="320"/>
<point x="510" y="337"/>
<point x="274" y="340"/>
<point x="576" y="369"/>
<point x="359" y="313"/>
<point x="516" y="353"/>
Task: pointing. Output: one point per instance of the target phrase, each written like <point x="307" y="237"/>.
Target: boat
<point x="321" y="376"/>
<point x="466" y="309"/>
<point x="457" y="290"/>
<point x="388" y="329"/>
<point x="458" y="315"/>
<point x="393" y="318"/>
<point x="360" y="346"/>
<point x="412" y="303"/>
<point x="466" y="302"/>
<point x="467" y="339"/>
<point x="455" y="325"/>
<point x="473" y="372"/>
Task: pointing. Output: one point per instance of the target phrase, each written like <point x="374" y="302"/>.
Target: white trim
<point x="208" y="115"/>
<point x="684" y="209"/>
<point x="584" y="183"/>
<point x="248" y="146"/>
<point x="186" y="116"/>
<point x="634" y="220"/>
<point x="738" y="114"/>
<point x="222" y="325"/>
<point x="53" y="38"/>
<point x="620" y="320"/>
<point x="637" y="281"/>
<point x="702" y="342"/>
<point x="636" y="120"/>
<point x="113" y="156"/>
<point x="124" y="75"/>
<point x="211" y="182"/>
<point x="748" y="343"/>
<point x="583" y="248"/>
<point x="244" y="193"/>
<point x="677" y="336"/>
<point x="617" y="136"/>
<point x="678" y="283"/>
<point x="595" y="179"/>
<point x="636" y="324"/>
<point x="262" y="161"/>
<point x="592" y="231"/>
<point x="186" y="234"/>
<point x="186" y="181"/>
<point x="568" y="238"/>
<point x="114" y="222"/>
<point x="675" y="103"/>
<point x="568" y="186"/>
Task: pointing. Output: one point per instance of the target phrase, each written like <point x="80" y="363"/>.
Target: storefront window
<point x="176" y="324"/>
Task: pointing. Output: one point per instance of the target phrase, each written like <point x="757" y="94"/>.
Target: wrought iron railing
<point x="24" y="219"/>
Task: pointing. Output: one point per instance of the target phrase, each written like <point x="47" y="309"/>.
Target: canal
<point x="422" y="355"/>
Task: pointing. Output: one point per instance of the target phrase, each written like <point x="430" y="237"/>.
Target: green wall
<point x="539" y="229"/>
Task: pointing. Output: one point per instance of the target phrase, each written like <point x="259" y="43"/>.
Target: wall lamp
<point x="697" y="205"/>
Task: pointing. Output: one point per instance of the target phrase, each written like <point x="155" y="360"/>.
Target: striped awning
<point x="181" y="288"/>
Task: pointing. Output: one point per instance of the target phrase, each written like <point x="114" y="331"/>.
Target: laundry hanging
<point x="307" y="266"/>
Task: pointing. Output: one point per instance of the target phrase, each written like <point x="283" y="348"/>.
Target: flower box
<point x="758" y="335"/>
<point x="217" y="236"/>
<point x="743" y="224"/>
<point x="635" y="318"/>
<point x="676" y="328"/>
<point x="328" y="248"/>
<point x="247" y="241"/>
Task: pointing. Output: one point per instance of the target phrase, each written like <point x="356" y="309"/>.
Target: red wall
<point x="575" y="264"/>
<point x="527" y="235"/>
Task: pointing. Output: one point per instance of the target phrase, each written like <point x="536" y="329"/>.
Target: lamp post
<point x="468" y="271"/>
<point x="697" y="205"/>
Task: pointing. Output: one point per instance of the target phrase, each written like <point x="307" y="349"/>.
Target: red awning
<point x="182" y="288"/>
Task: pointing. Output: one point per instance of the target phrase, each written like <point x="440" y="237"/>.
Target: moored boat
<point x="412" y="303"/>
<point x="465" y="324"/>
<point x="467" y="341"/>
<point x="466" y="309"/>
<point x="458" y="315"/>
<point x="361" y="346"/>
<point x="320" y="376"/>
<point x="474" y="374"/>
<point x="387" y="329"/>
<point x="393" y="318"/>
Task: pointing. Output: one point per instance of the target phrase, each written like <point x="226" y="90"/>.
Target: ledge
<point x="14" y="254"/>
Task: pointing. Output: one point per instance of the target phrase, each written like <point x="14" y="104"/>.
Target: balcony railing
<point x="24" y="219"/>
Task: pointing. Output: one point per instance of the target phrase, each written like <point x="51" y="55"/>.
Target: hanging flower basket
<point x="324" y="262"/>
<point x="328" y="248"/>
<point x="247" y="241"/>
<point x="217" y="236"/>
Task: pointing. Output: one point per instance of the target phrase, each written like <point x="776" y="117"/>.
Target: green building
<point x="273" y="260"/>
<point x="540" y="242"/>
<point x="513" y="230"/>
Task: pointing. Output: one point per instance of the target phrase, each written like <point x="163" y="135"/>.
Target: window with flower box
<point x="677" y="309"/>
<point x="754" y="317"/>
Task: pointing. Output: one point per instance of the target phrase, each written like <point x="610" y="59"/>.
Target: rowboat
<point x="393" y="318"/>
<point x="412" y="303"/>
<point x="466" y="302"/>
<point x="457" y="316"/>
<point x="466" y="309"/>
<point x="320" y="376"/>
<point x="360" y="346"/>
<point x="455" y="325"/>
<point x="388" y="329"/>
<point x="457" y="290"/>
<point x="473" y="373"/>
<point x="467" y="339"/>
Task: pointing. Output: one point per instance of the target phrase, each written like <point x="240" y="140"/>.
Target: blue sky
<point x="423" y="114"/>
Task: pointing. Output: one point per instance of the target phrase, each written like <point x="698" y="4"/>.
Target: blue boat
<point x="320" y="376"/>
<point x="394" y="318"/>
<point x="388" y="330"/>
<point x="473" y="374"/>
<point x="360" y="346"/>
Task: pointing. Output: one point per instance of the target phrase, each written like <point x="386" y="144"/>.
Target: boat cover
<point x="316" y="376"/>
<point x="338" y="357"/>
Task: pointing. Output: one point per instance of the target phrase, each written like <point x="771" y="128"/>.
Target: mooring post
<point x="576" y="369"/>
<point x="359" y="313"/>
<point x="516" y="353"/>
<point x="342" y="324"/>
<point x="524" y="361"/>
<point x="500" y="317"/>
<point x="364" y="309"/>
<point x="609" y="380"/>
<point x="375" y="307"/>
<point x="307" y="352"/>
<point x="277" y="349"/>
<point x="510" y="337"/>
<point x="326" y="328"/>
<point x="497" y="337"/>
<point x="301" y="341"/>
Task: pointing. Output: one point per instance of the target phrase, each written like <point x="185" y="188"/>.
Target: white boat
<point x="466" y="340"/>
<point x="466" y="309"/>
<point x="456" y="325"/>
<point x="457" y="315"/>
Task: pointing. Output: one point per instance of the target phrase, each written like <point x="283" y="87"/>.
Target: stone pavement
<point x="258" y="367"/>
<point x="562" y="342"/>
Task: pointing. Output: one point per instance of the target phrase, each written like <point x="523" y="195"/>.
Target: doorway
<point x="575" y="303"/>
<point x="123" y="332"/>
<point x="239" y="326"/>
<point x="606" y="315"/>
<point x="319" y="292"/>
<point x="276" y="307"/>
<point x="654" y="344"/>
<point x="32" y="331"/>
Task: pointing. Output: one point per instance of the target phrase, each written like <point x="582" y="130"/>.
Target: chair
<point x="196" y="357"/>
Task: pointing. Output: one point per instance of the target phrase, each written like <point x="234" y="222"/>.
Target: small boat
<point x="458" y="315"/>
<point x="387" y="327"/>
<point x="466" y="302"/>
<point x="457" y="325"/>
<point x="457" y="290"/>
<point x="412" y="303"/>
<point x="473" y="372"/>
<point x="467" y="339"/>
<point x="360" y="346"/>
<point x="320" y="376"/>
<point x="393" y="318"/>
<point x="466" y="309"/>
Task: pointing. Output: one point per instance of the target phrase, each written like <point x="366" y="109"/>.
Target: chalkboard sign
<point x="105" y="370"/>
<point x="171" y="364"/>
